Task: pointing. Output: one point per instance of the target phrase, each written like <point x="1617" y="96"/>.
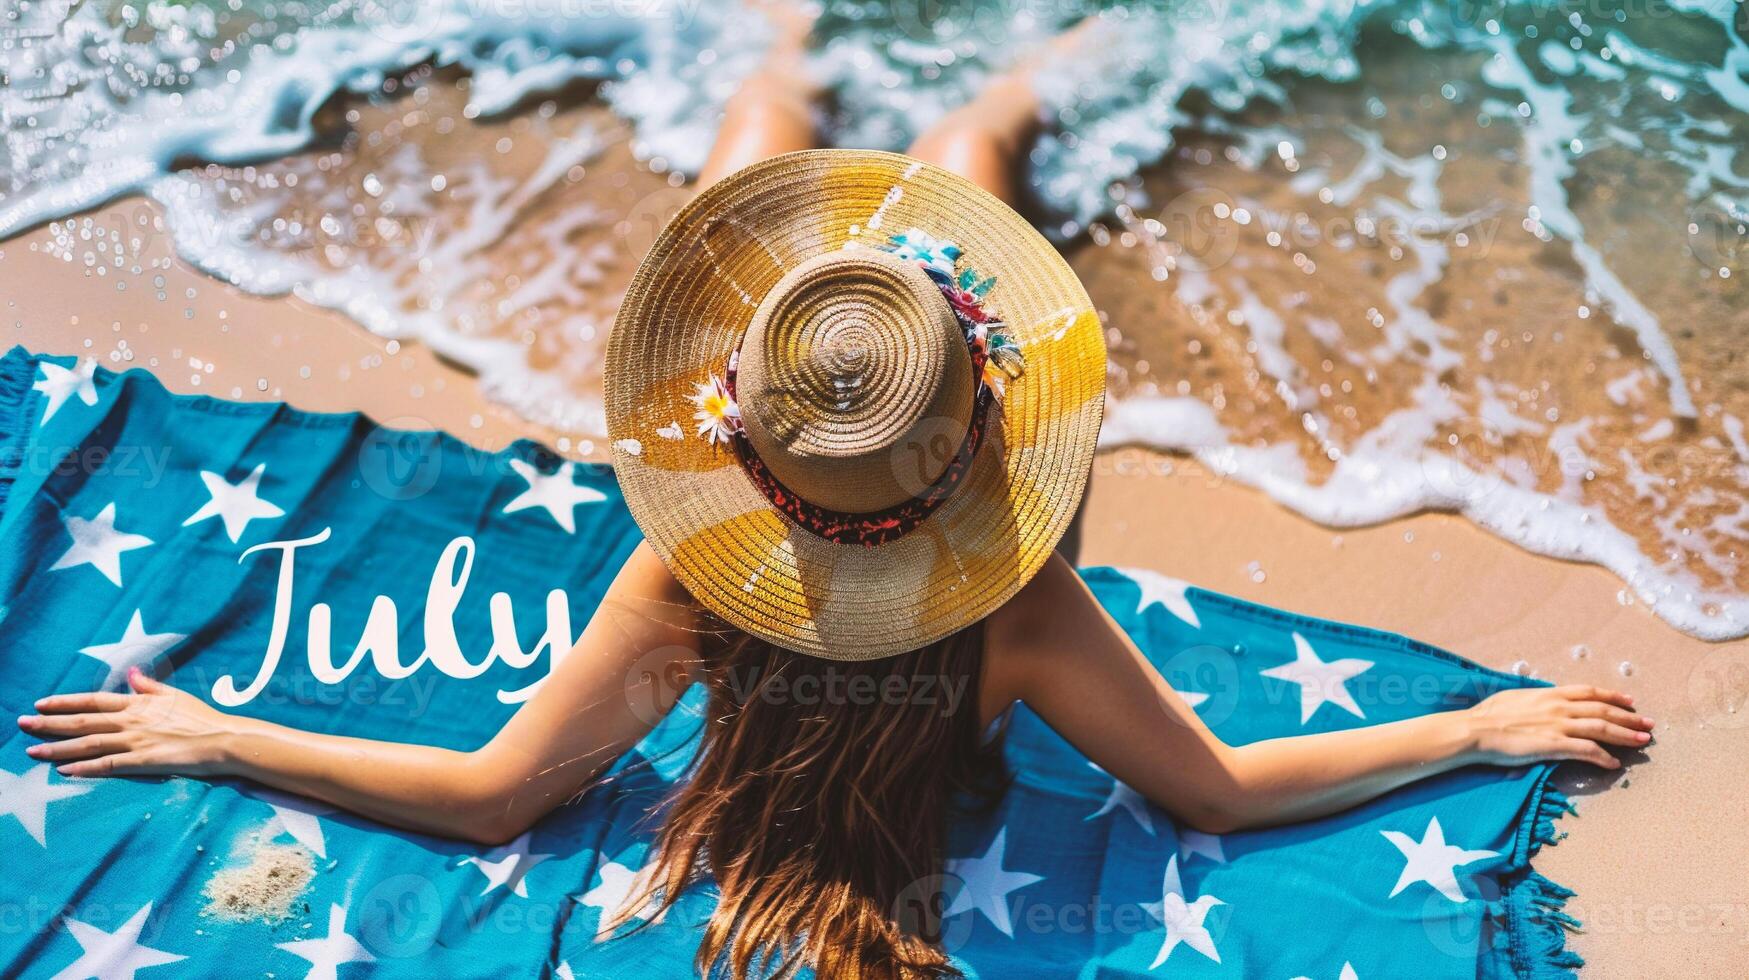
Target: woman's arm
<point x="635" y="656"/>
<point x="1054" y="648"/>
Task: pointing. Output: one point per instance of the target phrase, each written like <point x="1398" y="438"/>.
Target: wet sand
<point x="1655" y="853"/>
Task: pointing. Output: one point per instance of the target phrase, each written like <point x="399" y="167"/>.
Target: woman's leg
<point x="984" y="140"/>
<point x="773" y="113"/>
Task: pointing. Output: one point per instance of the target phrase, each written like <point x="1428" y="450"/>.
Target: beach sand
<point x="1656" y="851"/>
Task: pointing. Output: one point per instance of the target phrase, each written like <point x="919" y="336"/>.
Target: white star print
<point x="296" y="815"/>
<point x="113" y="955"/>
<point x="1196" y="842"/>
<point x="1123" y="796"/>
<point x="97" y="543"/>
<point x="326" y="954"/>
<point x="619" y="883"/>
<point x="1432" y="860"/>
<point x="236" y="504"/>
<point x="136" y="648"/>
<point x="1191" y="698"/>
<point x="1346" y="974"/>
<point x="26" y="796"/>
<point x="986" y="884"/>
<point x="1320" y="680"/>
<point x="59" y="384"/>
<point x="557" y="492"/>
<point x="1168" y="592"/>
<point x="507" y="866"/>
<point x="1183" y="920"/>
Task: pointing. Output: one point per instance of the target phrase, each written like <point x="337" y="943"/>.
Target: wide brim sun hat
<point x="853" y="400"/>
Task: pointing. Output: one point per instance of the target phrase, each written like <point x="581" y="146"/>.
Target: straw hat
<point x="853" y="399"/>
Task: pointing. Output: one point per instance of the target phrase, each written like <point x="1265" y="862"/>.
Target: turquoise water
<point x="1383" y="112"/>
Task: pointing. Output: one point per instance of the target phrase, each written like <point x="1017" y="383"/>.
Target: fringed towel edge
<point x="1536" y="923"/>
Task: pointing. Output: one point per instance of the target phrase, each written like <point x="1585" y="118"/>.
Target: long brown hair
<point x="819" y="805"/>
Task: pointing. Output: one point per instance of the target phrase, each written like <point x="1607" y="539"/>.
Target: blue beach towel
<point x="208" y="537"/>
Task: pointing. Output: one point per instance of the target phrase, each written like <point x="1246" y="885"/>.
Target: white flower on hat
<point x="718" y="417"/>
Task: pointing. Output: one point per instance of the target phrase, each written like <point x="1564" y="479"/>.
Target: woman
<point x="879" y="471"/>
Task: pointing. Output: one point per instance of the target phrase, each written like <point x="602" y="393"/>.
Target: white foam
<point x="1390" y="476"/>
<point x="96" y="109"/>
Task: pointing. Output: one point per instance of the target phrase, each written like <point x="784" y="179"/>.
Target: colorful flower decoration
<point x="1002" y="360"/>
<point x="936" y="255"/>
<point x="964" y="291"/>
<point x="718" y="417"/>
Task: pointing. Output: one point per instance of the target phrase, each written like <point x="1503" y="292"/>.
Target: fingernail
<point x="33" y="750"/>
<point x="1644" y="736"/>
<point x="25" y="721"/>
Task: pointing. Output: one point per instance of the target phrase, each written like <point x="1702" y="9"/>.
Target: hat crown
<point x="854" y="382"/>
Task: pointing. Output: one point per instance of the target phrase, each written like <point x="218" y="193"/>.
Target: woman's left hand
<point x="1571" y="722"/>
<point x="157" y="729"/>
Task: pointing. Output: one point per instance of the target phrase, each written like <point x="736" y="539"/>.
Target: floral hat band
<point x="994" y="361"/>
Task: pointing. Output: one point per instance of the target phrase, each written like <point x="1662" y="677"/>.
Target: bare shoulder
<point x="1025" y="639"/>
<point x="647" y="602"/>
<point x="1054" y="584"/>
<point x="645" y="579"/>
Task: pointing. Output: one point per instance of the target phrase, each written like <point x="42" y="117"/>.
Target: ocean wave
<point x="218" y="113"/>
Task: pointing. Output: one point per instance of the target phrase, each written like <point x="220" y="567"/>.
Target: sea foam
<point x="108" y="101"/>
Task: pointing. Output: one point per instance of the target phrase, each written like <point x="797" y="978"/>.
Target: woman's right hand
<point x="156" y="730"/>
<point x="1574" y="721"/>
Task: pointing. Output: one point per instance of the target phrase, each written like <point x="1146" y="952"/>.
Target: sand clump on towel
<point x="264" y="889"/>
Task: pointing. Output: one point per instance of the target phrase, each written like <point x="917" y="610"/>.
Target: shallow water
<point x="1370" y="258"/>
